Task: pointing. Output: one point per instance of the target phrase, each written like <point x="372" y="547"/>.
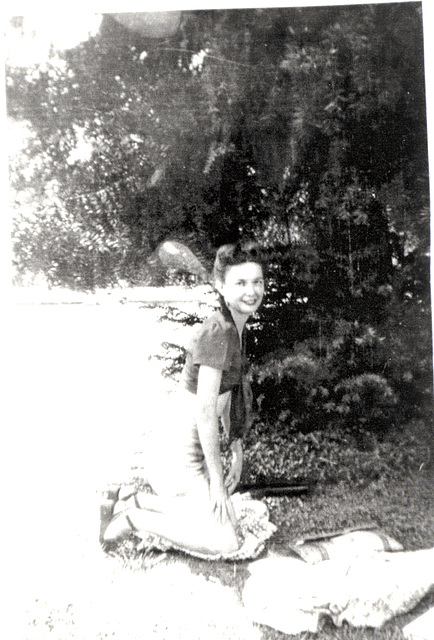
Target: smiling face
<point x="243" y="288"/>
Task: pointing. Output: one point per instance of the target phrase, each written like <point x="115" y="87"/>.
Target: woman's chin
<point x="250" y="308"/>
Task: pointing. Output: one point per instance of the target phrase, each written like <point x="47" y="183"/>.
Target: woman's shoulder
<point x="217" y="322"/>
<point x="216" y="325"/>
<point x="212" y="343"/>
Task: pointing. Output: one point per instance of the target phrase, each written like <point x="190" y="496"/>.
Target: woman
<point x="192" y="507"/>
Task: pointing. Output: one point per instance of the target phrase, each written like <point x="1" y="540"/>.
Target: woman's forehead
<point x="244" y="271"/>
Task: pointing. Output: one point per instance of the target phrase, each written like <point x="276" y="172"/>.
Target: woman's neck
<point x="239" y="320"/>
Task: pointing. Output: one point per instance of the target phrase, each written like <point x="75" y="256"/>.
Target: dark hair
<point x="232" y="254"/>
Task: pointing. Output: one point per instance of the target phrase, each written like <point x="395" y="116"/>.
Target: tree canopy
<point x="302" y="127"/>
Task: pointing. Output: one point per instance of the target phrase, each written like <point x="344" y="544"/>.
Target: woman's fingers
<point x="221" y="504"/>
<point x="231" y="482"/>
<point x="223" y="511"/>
<point x="219" y="511"/>
<point x="231" y="513"/>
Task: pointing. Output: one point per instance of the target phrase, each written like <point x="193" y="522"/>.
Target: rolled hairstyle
<point x="232" y="254"/>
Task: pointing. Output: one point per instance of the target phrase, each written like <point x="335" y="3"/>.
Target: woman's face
<point x="243" y="287"/>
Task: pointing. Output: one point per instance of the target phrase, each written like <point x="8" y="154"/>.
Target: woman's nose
<point x="250" y="288"/>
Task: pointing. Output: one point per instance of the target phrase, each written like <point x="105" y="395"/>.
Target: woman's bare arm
<point x="236" y="467"/>
<point x="208" y="427"/>
<point x="226" y="414"/>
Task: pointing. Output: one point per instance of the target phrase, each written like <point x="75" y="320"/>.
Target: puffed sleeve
<point x="210" y="346"/>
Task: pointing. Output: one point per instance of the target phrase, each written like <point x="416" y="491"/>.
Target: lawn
<point x="83" y="390"/>
<point x="203" y="599"/>
<point x="402" y="507"/>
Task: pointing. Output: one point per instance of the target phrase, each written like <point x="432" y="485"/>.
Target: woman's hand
<point x="222" y="507"/>
<point x="208" y="427"/>
<point x="234" y="474"/>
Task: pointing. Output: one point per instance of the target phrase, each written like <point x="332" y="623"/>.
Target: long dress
<point x="181" y="511"/>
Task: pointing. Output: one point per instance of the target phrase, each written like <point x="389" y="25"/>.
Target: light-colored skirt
<point x="181" y="515"/>
<point x="182" y="512"/>
<point x="174" y="459"/>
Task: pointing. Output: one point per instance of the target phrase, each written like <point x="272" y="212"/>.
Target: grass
<point x="402" y="507"/>
<point x="390" y="485"/>
<point x="392" y="488"/>
<point x="202" y="599"/>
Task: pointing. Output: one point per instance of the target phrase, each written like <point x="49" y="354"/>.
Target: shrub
<point x="305" y="391"/>
<point x="365" y="402"/>
<point x="332" y="455"/>
<point x="291" y="390"/>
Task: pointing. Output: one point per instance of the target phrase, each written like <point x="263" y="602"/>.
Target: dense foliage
<point x="304" y="128"/>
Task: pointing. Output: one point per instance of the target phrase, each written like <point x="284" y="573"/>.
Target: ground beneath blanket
<point x="84" y="593"/>
<point x="77" y="414"/>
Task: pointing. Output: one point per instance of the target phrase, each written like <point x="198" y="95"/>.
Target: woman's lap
<point x="185" y="520"/>
<point x="181" y="511"/>
<point x="175" y="464"/>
